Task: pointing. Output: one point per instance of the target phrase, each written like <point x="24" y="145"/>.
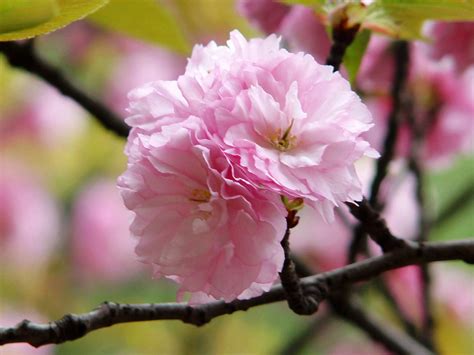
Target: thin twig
<point x="390" y="337"/>
<point x="402" y="58"/>
<point x="73" y="326"/>
<point x="23" y="56"/>
<point x="419" y="129"/>
<point x="300" y="301"/>
<point x="373" y="224"/>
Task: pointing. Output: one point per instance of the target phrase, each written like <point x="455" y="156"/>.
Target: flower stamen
<point x="199" y="195"/>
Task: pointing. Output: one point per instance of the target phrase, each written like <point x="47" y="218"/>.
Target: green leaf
<point x="404" y="18"/>
<point x="22" y="19"/>
<point x="147" y="20"/>
<point x="355" y="53"/>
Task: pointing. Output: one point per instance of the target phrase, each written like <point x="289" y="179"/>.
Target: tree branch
<point x="402" y="58"/>
<point x="73" y="326"/>
<point x="390" y="337"/>
<point x="373" y="224"/>
<point x="23" y="56"/>
<point x="300" y="301"/>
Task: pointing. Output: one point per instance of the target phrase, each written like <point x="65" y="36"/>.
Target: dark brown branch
<point x="342" y="36"/>
<point x="390" y="337"/>
<point x="23" y="56"/>
<point x="402" y="58"/>
<point x="373" y="224"/>
<point x="300" y="301"/>
<point x="342" y="299"/>
<point x="414" y="162"/>
<point x="73" y="326"/>
<point x="399" y="312"/>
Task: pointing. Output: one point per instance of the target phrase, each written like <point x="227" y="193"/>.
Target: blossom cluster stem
<point x="74" y="326"/>
<point x="23" y="56"/>
<point x="300" y="301"/>
<point x="342" y="37"/>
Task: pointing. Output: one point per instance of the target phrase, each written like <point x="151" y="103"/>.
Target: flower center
<point x="199" y="195"/>
<point x="283" y="142"/>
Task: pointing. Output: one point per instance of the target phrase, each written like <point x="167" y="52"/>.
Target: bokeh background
<point x="64" y="242"/>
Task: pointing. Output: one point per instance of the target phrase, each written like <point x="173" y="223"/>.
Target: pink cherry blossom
<point x="196" y="223"/>
<point x="454" y="39"/>
<point x="101" y="244"/>
<point x="294" y="23"/>
<point x="291" y="125"/>
<point x="29" y="219"/>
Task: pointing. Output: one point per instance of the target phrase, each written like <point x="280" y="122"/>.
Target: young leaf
<point x="404" y="18"/>
<point x="355" y="53"/>
<point x="143" y="19"/>
<point x="22" y="19"/>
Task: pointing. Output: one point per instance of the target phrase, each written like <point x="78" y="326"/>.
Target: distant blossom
<point x="29" y="219"/>
<point x="101" y="245"/>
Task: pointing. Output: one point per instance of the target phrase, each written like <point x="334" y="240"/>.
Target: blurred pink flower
<point x="267" y="15"/>
<point x="29" y="219"/>
<point x="451" y="290"/>
<point x="299" y="25"/>
<point x="10" y="317"/>
<point x="354" y="347"/>
<point x="196" y="223"/>
<point x="138" y="64"/>
<point x="454" y="39"/>
<point x="376" y="70"/>
<point x="442" y="101"/>
<point x="101" y="245"/>
<point x="47" y="116"/>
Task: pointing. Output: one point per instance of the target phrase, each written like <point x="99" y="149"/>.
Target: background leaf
<point x="147" y="20"/>
<point x="355" y="52"/>
<point x="49" y="16"/>
<point x="404" y="18"/>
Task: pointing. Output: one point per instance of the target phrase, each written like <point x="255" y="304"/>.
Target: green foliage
<point x="400" y="18"/>
<point x="22" y="19"/>
<point x="404" y="18"/>
<point x="354" y="54"/>
<point x="147" y="20"/>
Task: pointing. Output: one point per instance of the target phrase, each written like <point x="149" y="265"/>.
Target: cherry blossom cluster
<point x="212" y="154"/>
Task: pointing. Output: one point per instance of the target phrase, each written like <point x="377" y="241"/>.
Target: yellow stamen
<point x="199" y="195"/>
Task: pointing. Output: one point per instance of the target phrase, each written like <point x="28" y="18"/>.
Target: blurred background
<point x="64" y="241"/>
